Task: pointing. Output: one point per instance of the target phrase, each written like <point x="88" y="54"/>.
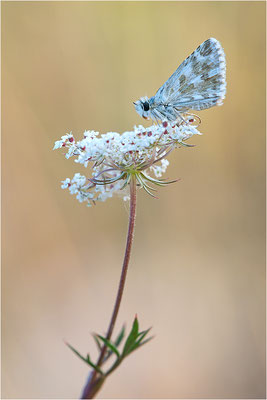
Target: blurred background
<point x="197" y="273"/>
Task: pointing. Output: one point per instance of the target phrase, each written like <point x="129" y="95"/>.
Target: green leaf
<point x="97" y="341"/>
<point x="109" y="345"/>
<point x="120" y="337"/>
<point x="87" y="359"/>
<point x="145" y="341"/>
<point x="94" y="365"/>
<point x="131" y="338"/>
<point x="133" y="342"/>
<point x="138" y="345"/>
<point x="142" y="335"/>
<point x="139" y="341"/>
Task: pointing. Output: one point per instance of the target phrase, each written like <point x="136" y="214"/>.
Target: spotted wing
<point x="199" y="82"/>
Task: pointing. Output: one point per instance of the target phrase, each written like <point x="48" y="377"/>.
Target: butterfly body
<point x="197" y="84"/>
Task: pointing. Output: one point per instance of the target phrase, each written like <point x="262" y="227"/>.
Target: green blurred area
<point x="197" y="272"/>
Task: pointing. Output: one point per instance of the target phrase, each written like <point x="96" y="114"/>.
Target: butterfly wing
<point x="199" y="82"/>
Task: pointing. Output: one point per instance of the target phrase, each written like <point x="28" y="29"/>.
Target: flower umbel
<point x="117" y="157"/>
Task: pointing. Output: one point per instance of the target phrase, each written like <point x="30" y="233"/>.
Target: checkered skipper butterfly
<point x="198" y="83"/>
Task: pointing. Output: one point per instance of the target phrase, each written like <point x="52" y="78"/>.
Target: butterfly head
<point x="142" y="106"/>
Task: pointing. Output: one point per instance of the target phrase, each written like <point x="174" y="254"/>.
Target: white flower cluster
<point x="115" y="157"/>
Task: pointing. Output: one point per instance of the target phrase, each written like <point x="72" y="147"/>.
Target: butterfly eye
<point x="146" y="106"/>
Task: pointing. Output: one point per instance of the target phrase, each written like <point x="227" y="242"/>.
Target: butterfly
<point x="197" y="84"/>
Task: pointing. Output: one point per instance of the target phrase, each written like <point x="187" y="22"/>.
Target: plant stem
<point x="95" y="380"/>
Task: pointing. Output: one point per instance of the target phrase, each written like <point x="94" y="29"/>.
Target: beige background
<point x="197" y="274"/>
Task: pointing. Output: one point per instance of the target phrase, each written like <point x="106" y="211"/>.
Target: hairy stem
<point x="95" y="380"/>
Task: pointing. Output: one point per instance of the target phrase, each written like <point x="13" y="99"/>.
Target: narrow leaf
<point x="116" y="343"/>
<point x="131" y="338"/>
<point x="76" y="352"/>
<point x="142" y="335"/>
<point x="137" y="345"/>
<point x="109" y="345"/>
<point x="145" y="341"/>
<point x="85" y="359"/>
<point x="94" y="365"/>
<point x="97" y="341"/>
<point x="120" y="336"/>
